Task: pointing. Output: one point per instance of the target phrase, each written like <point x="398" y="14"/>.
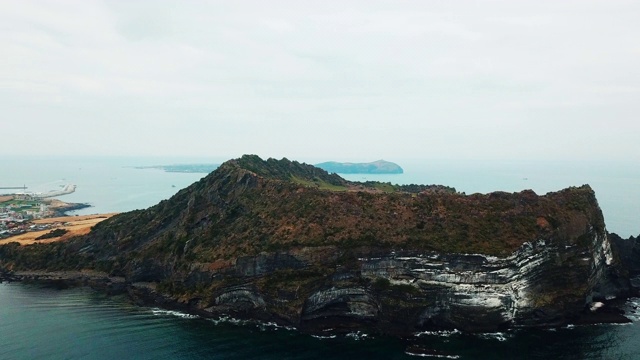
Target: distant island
<point x="376" y="167"/>
<point x="183" y="168"/>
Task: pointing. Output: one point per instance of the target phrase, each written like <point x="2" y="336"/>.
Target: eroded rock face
<point x="540" y="284"/>
<point x="266" y="263"/>
<point x="629" y="254"/>
<point x="239" y="298"/>
<point x="543" y="283"/>
<point x="340" y="309"/>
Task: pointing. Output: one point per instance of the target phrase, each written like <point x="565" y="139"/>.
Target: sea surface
<point x="38" y="322"/>
<point x="107" y="184"/>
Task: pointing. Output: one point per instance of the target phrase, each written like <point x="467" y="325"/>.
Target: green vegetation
<point x="286" y="170"/>
<point x="412" y="188"/>
<point x="318" y="183"/>
<point x="384" y="187"/>
<point x="53" y="234"/>
<point x="21" y="205"/>
<point x="19" y="208"/>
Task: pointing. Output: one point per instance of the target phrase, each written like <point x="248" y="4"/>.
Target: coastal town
<point x="23" y="212"/>
<point x="17" y="211"/>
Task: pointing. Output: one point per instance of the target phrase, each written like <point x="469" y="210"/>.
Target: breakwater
<point x="68" y="189"/>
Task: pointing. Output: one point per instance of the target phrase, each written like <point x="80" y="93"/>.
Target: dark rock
<point x="64" y="210"/>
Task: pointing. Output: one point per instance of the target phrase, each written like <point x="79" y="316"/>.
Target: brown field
<point x="76" y="225"/>
<point x="5" y="198"/>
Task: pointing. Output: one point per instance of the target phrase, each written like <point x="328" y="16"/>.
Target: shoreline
<point x="58" y="208"/>
<point x="145" y="294"/>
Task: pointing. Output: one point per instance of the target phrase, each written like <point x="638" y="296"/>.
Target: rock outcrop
<point x="629" y="253"/>
<point x="282" y="241"/>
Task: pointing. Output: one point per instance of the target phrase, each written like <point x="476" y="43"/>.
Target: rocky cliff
<point x="282" y="241"/>
<point x="629" y="253"/>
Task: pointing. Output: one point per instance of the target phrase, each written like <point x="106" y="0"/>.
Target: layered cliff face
<point x="287" y="242"/>
<point x="629" y="253"/>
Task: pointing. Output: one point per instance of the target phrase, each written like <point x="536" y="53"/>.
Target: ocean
<point x="38" y="322"/>
<point x="107" y="184"/>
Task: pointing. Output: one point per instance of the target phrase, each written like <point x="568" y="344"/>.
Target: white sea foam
<point x="358" y="335"/>
<point x="633" y="309"/>
<point x="595" y="306"/>
<point x="500" y="336"/>
<point x="263" y="326"/>
<point x="160" y="312"/>
<point x="274" y="326"/>
<point x="229" y="320"/>
<point x="440" y="356"/>
<point x="442" y="333"/>
<point x="599" y="324"/>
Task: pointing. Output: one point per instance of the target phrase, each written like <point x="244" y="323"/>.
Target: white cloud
<point x="492" y="79"/>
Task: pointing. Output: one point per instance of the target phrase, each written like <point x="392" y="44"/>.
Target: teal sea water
<point x="107" y="184"/>
<point x="44" y="323"/>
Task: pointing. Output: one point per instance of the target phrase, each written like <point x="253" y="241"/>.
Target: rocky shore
<point x="67" y="279"/>
<point x="59" y="208"/>
<point x="147" y="294"/>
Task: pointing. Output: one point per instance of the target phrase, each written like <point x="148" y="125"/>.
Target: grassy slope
<point x="249" y="205"/>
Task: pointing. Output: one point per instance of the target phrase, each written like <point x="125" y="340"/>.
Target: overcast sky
<point x="334" y="80"/>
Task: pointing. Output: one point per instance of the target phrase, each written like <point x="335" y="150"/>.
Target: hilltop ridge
<point x="287" y="170"/>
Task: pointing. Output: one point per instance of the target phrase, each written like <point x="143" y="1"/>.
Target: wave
<point x="441" y="333"/>
<point x="161" y="312"/>
<point x="500" y="336"/>
<point x="433" y="355"/>
<point x="273" y="326"/>
<point x="358" y="335"/>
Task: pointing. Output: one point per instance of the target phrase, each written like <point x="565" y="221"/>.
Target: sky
<point x="356" y="80"/>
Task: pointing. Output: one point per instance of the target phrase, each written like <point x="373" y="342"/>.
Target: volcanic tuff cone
<point x="285" y="241"/>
